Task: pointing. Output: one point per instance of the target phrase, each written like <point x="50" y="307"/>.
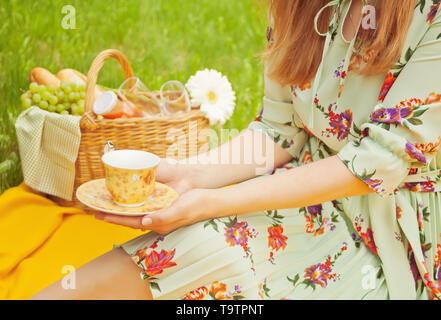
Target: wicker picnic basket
<point x="175" y="136"/>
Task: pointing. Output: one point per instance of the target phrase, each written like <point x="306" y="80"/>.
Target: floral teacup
<point x="130" y="176"/>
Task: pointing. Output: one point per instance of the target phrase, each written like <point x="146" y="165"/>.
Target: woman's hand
<point x="177" y="177"/>
<point x="165" y="220"/>
<point x="298" y="187"/>
<point x="191" y="206"/>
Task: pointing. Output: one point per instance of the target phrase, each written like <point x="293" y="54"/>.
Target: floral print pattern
<point x="409" y="114"/>
<point x="367" y="236"/>
<point x="305" y="252"/>
<point x="436" y="264"/>
<point x="96" y="194"/>
<point x="340" y="123"/>
<point x="316" y="222"/>
<point x="320" y="273"/>
<point x="433" y="11"/>
<point x="419" y="186"/>
<point x="407" y="111"/>
<point x="153" y="263"/>
<point x="414" y="153"/>
<point x="392" y="115"/>
<point x="387" y="85"/>
<point x="236" y="234"/>
<point x="217" y="291"/>
<point x="340" y="72"/>
<point x="276" y="239"/>
<point x="197" y="294"/>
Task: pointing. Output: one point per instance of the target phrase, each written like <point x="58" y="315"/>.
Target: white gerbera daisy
<point x="213" y="92"/>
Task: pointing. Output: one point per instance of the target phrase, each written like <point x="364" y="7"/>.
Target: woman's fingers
<point x="180" y="186"/>
<point x="162" y="221"/>
<point x="132" y="222"/>
<point x="181" y="212"/>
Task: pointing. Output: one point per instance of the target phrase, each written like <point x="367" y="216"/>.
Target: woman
<point x="352" y="209"/>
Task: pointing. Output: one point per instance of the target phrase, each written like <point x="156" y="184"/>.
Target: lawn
<point x="163" y="40"/>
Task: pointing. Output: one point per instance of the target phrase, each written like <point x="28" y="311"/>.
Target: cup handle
<point x="109" y="147"/>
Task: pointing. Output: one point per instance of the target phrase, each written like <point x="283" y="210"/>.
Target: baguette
<point x="79" y="74"/>
<point x="70" y="76"/>
<point x="43" y="76"/>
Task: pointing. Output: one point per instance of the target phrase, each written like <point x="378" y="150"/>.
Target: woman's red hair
<point x="296" y="49"/>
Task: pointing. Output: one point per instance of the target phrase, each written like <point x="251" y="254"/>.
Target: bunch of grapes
<point x="67" y="99"/>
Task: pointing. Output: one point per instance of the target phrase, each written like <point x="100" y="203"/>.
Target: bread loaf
<point x="43" y="76"/>
<point x="70" y="76"/>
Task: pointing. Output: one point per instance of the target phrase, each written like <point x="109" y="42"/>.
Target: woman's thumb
<point x="147" y="221"/>
<point x="152" y="218"/>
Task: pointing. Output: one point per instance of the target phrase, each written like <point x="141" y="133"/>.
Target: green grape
<point x="75" y="109"/>
<point x="81" y="109"/>
<point x="36" y="97"/>
<point x="77" y="96"/>
<point x="72" y="96"/>
<point x="52" y="108"/>
<point x="26" y="103"/>
<point x="81" y="106"/>
<point x="42" y="88"/>
<point x="60" y="107"/>
<point x="60" y="95"/>
<point x="43" y="104"/>
<point x="82" y="88"/>
<point x="73" y="86"/>
<point x="64" y="112"/>
<point x="45" y="95"/>
<point x="65" y="87"/>
<point x="53" y="100"/>
<point x="82" y="95"/>
<point x="25" y="95"/>
<point x="34" y="87"/>
<point x="51" y="89"/>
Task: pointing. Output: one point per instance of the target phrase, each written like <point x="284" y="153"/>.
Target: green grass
<point x="163" y="40"/>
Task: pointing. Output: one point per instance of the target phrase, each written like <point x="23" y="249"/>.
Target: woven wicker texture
<point x="176" y="136"/>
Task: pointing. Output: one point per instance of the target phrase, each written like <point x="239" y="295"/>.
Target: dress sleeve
<point x="278" y="120"/>
<point x="404" y="130"/>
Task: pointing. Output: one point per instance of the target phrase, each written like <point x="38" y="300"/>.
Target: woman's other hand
<point x="176" y="176"/>
<point x="192" y="206"/>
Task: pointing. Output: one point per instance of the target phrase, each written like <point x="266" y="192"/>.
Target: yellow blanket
<point x="38" y="238"/>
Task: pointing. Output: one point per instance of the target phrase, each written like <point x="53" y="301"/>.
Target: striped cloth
<point x="48" y="144"/>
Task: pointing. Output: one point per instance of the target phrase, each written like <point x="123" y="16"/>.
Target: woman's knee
<point x="112" y="275"/>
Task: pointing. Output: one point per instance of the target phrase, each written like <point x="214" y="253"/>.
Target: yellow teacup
<point x="130" y="175"/>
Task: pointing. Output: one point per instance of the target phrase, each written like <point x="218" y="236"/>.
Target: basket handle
<point x="88" y="119"/>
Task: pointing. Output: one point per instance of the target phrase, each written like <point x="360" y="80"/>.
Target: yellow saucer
<point x="94" y="194"/>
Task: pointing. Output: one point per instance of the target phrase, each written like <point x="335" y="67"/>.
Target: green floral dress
<point x="387" y="130"/>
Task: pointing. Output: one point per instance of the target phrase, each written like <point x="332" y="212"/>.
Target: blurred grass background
<point x="163" y="40"/>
